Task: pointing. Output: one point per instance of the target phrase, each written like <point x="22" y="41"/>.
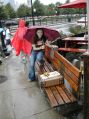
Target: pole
<point x="88" y="20"/>
<point x="86" y="73"/>
<point x="86" y="85"/>
<point x="32" y="13"/>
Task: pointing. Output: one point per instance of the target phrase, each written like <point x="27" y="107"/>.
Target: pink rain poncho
<point x="19" y="42"/>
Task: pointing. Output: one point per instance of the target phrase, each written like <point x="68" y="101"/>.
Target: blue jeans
<point x="35" y="56"/>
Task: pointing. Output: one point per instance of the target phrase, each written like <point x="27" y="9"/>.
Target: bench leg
<point x="70" y="109"/>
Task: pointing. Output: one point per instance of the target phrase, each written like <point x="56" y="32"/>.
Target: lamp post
<point x="32" y="13"/>
<point x="56" y="12"/>
<point x="56" y="15"/>
<point x="34" y="10"/>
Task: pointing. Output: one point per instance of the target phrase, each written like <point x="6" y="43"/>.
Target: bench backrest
<point x="67" y="69"/>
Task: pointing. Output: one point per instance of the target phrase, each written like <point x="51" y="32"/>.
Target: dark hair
<point x="27" y="24"/>
<point x="44" y="38"/>
<point x="7" y="24"/>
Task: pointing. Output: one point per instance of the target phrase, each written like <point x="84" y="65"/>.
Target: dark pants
<point x="8" y="42"/>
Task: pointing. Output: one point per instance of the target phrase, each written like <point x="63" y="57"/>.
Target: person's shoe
<point x="24" y="60"/>
<point x="0" y="62"/>
<point x="29" y="80"/>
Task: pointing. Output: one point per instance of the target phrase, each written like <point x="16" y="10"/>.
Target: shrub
<point x="77" y="29"/>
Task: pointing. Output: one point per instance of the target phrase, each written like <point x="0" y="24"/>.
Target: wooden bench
<point x="61" y="95"/>
<point x="72" y="50"/>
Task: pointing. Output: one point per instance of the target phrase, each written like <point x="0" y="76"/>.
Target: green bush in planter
<point x="77" y="29"/>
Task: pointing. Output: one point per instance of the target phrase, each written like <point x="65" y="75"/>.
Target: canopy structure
<point x="79" y="4"/>
<point x="75" y="4"/>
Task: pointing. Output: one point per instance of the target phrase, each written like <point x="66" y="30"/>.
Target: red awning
<point x="74" y="4"/>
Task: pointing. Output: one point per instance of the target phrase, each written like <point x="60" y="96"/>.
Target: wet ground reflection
<point x="3" y="78"/>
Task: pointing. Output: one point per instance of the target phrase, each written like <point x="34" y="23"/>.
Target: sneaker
<point x="29" y="80"/>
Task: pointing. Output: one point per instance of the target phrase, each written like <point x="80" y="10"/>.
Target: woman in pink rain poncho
<point x="19" y="42"/>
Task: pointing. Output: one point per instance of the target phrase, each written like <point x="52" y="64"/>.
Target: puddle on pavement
<point x="3" y="79"/>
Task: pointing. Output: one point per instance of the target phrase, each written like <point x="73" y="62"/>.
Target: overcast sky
<point x="45" y="2"/>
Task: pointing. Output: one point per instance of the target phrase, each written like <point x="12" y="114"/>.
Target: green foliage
<point x="57" y="9"/>
<point x="23" y="11"/>
<point x="51" y="9"/>
<point x="9" y="11"/>
<point x="39" y="8"/>
<point x="3" y="14"/>
<point x="77" y="29"/>
<point x="63" y="35"/>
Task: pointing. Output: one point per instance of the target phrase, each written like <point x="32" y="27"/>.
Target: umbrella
<point x="75" y="4"/>
<point x="49" y="32"/>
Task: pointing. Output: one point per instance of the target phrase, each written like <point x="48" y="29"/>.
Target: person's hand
<point x="42" y="47"/>
<point x="48" y="42"/>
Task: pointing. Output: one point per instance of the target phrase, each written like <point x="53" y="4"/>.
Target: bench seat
<point x="56" y="94"/>
<point x="59" y="95"/>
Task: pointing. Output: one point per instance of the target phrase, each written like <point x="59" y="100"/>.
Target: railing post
<point x="32" y="12"/>
<point x="86" y="85"/>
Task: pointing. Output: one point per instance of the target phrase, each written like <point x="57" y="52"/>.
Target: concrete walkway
<point x="20" y="99"/>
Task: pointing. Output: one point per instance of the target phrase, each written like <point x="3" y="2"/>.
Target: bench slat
<point x="38" y="68"/>
<point x="57" y="95"/>
<point x="71" y="82"/>
<point x="69" y="94"/>
<point x="47" y="52"/>
<point x="48" y="65"/>
<point x="63" y="94"/>
<point x="68" y="71"/>
<point x="56" y="63"/>
<point x="61" y="68"/>
<point x="56" y="66"/>
<point x="51" y="97"/>
<point x="67" y="64"/>
<point x="71" y="75"/>
<point x="46" y="68"/>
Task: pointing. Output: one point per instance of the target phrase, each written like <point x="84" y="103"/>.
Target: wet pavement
<point x="20" y="99"/>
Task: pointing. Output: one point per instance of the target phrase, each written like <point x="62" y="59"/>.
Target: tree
<point x="57" y="9"/>
<point x="51" y="9"/>
<point x="10" y="11"/>
<point x="23" y="11"/>
<point x="67" y="1"/>
<point x="39" y="8"/>
<point x="3" y="14"/>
